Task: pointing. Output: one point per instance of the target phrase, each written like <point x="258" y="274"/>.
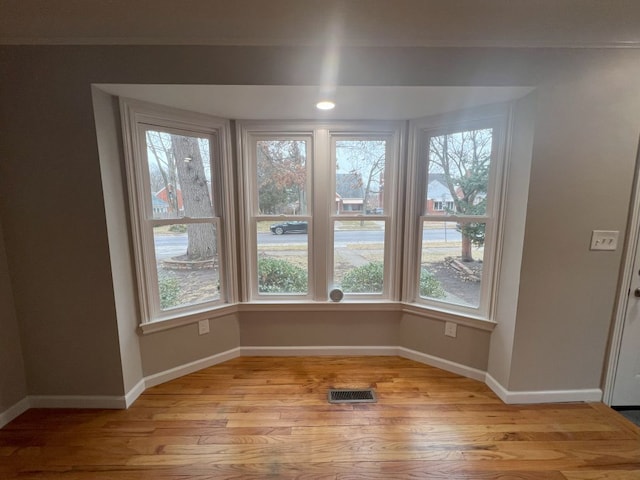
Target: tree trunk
<point x="195" y="197"/>
<point x="466" y="253"/>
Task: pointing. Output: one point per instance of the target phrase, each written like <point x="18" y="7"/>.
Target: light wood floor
<point x="257" y="418"/>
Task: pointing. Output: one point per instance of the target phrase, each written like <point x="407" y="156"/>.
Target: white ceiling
<point x="258" y="102"/>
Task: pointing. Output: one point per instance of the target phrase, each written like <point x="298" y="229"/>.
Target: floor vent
<point x="352" y="396"/>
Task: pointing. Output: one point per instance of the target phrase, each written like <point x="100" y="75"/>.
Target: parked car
<point x="289" y="227"/>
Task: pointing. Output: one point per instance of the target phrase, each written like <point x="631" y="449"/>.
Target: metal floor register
<point x="364" y="395"/>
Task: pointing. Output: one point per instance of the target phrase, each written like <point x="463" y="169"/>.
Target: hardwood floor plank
<point x="268" y="417"/>
<point x="601" y="475"/>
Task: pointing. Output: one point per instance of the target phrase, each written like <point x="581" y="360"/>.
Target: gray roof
<point x="437" y="188"/>
<point x="349" y="185"/>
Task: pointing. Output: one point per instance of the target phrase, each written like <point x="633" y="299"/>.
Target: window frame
<point x="138" y="118"/>
<point x="496" y="117"/>
<point x="320" y="215"/>
<point x="392" y="134"/>
<point x="252" y="213"/>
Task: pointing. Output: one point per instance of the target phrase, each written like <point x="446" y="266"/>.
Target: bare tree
<point x="282" y="176"/>
<point x="179" y="161"/>
<point x="159" y="145"/>
<point x="365" y="162"/>
<point x="464" y="159"/>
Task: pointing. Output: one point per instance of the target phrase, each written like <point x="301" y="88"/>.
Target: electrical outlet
<point x="450" y="329"/>
<point x="604" y="240"/>
<point x="203" y="327"/>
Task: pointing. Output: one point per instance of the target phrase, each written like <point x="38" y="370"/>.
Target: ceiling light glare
<point x="325" y="105"/>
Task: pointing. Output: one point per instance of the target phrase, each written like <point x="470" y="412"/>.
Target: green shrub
<point x="364" y="279"/>
<point x="178" y="228"/>
<point x="369" y="279"/>
<point x="429" y="286"/>
<point x="280" y="276"/>
<point x="169" y="292"/>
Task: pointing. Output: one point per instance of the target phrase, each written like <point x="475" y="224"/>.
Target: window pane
<point x="283" y="257"/>
<point x="458" y="174"/>
<point x="187" y="264"/>
<point x="179" y="175"/>
<point x="359" y="172"/>
<point x="451" y="262"/>
<point x="282" y="177"/>
<point x="358" y="257"/>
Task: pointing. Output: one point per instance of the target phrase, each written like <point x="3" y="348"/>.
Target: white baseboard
<point x="14" y="411"/>
<point x="78" y="401"/>
<point x="317" y="351"/>
<point x="442" y="364"/>
<point x="187" y="368"/>
<point x="133" y="394"/>
<point x="543" y="396"/>
<point x="366" y="350"/>
<point x="108" y="401"/>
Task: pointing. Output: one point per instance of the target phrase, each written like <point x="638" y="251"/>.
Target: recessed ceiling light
<point x="325" y="105"/>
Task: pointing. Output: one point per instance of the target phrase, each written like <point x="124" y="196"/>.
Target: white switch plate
<point x="203" y="327"/>
<point x="604" y="239"/>
<point x="450" y="329"/>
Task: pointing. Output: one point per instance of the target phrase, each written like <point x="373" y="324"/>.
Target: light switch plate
<point x="604" y="240"/>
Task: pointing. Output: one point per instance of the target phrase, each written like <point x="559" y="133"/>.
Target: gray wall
<point x="470" y="347"/>
<point x="584" y="152"/>
<point x="168" y="349"/>
<point x="13" y="384"/>
<point x="109" y="137"/>
<point x="517" y="188"/>
<point x="319" y="329"/>
<point x="52" y="211"/>
<point x="53" y="205"/>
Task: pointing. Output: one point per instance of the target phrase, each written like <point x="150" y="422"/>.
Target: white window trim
<point x="498" y="118"/>
<point x="246" y="139"/>
<point x="392" y="132"/>
<point x="135" y="113"/>
<point x="320" y="207"/>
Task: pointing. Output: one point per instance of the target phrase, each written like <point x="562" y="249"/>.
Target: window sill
<point x="309" y="306"/>
<point x="446" y="316"/>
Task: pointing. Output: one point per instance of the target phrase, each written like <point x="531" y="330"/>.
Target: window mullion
<point x="321" y="240"/>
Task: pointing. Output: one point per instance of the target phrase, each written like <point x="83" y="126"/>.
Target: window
<point x="319" y="205"/>
<point x="454" y="218"/>
<point x="280" y="214"/>
<point x="175" y="168"/>
<point x="359" y="254"/>
<point x="440" y="206"/>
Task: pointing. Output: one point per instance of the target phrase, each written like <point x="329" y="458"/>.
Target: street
<point x="168" y="246"/>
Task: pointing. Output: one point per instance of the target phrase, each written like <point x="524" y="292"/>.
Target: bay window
<point x="323" y="206"/>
